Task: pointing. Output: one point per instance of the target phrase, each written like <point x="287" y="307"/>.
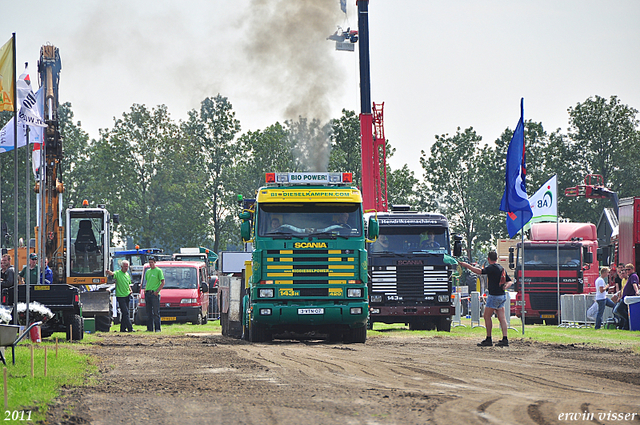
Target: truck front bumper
<point x="413" y="311"/>
<point x="173" y="314"/>
<point x="316" y="315"/>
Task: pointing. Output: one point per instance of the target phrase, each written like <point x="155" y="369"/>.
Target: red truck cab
<point x="184" y="297"/>
<point x="577" y="246"/>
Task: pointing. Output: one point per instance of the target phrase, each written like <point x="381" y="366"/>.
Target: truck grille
<point x="411" y="281"/>
<point x="311" y="267"/>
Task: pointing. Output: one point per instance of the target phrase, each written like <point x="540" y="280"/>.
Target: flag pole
<point x="27" y="275"/>
<point x="522" y="229"/>
<point x="558" y="251"/>
<point x="522" y="277"/>
<point x="15" y="180"/>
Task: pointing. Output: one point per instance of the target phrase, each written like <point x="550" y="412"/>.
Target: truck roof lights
<point x="309" y="178"/>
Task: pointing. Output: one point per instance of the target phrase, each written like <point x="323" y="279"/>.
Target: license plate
<point x="311" y="311"/>
<point x="547" y="316"/>
<point x="168" y="319"/>
<point x="41" y="288"/>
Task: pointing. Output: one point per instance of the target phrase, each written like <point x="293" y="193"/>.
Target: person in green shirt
<point x="123" y="294"/>
<point x="34" y="270"/>
<point x="154" y="279"/>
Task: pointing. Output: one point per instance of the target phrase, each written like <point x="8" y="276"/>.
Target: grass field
<point x="30" y="396"/>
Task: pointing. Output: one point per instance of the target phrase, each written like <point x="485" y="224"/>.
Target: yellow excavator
<point x="78" y="248"/>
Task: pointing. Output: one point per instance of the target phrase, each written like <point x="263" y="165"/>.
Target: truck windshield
<point x="178" y="277"/>
<point x="546" y="258"/>
<point x="412" y="239"/>
<point x="309" y="219"/>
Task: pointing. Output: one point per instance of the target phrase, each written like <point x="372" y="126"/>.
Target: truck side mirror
<point x="511" y="257"/>
<point x="116" y="218"/>
<point x="457" y="246"/>
<point x="204" y="287"/>
<point x="245" y="226"/>
<point x="588" y="257"/>
<point x="373" y="228"/>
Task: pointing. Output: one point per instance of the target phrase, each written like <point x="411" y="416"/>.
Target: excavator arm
<point x="49" y="67"/>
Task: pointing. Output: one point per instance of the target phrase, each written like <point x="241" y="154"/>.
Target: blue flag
<point x="515" y="201"/>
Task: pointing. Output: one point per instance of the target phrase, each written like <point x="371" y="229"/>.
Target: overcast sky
<point x="436" y="65"/>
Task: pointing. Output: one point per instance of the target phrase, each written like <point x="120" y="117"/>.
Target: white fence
<point x="574" y="310"/>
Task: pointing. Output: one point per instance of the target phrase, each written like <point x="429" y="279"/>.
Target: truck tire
<point x="103" y="323"/>
<point x="198" y="320"/>
<point x="258" y="333"/>
<point x="75" y="327"/>
<point x="356" y="335"/>
<point x="444" y="325"/>
<point x="205" y="319"/>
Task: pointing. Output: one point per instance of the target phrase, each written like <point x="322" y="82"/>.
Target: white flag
<point x="28" y="112"/>
<point x="544" y="203"/>
<point x="36" y="133"/>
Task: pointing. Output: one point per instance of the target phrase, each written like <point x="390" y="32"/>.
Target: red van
<point x="184" y="297"/>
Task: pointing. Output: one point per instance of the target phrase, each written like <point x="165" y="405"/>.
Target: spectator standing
<point x="601" y="295"/>
<point x="48" y="273"/>
<point x="154" y="283"/>
<point x="7" y="274"/>
<point x="123" y="294"/>
<point x="629" y="288"/>
<point x="618" y="277"/>
<point x="495" y="300"/>
<point x="34" y="270"/>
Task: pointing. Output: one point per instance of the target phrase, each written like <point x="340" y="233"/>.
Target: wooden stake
<point x="70" y="332"/>
<point x="6" y="394"/>
<point x="32" y="374"/>
<point x="45" y="361"/>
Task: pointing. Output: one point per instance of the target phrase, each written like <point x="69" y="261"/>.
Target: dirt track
<point x="151" y="378"/>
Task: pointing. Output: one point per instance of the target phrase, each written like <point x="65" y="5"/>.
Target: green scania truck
<point x="308" y="270"/>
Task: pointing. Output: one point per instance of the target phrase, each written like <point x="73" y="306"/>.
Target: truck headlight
<point x="444" y="310"/>
<point x="356" y="310"/>
<point x="265" y="312"/>
<point x="188" y="301"/>
<point x="375" y="311"/>
<point x="443" y="298"/>
<point x="376" y="298"/>
<point x="354" y="292"/>
<point x="265" y="293"/>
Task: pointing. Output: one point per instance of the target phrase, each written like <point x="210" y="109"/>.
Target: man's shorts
<point x="496" y="301"/>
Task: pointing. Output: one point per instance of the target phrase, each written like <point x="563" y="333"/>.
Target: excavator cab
<point x="87" y="245"/>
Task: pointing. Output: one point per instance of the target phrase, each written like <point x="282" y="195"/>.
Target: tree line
<point x="176" y="183"/>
